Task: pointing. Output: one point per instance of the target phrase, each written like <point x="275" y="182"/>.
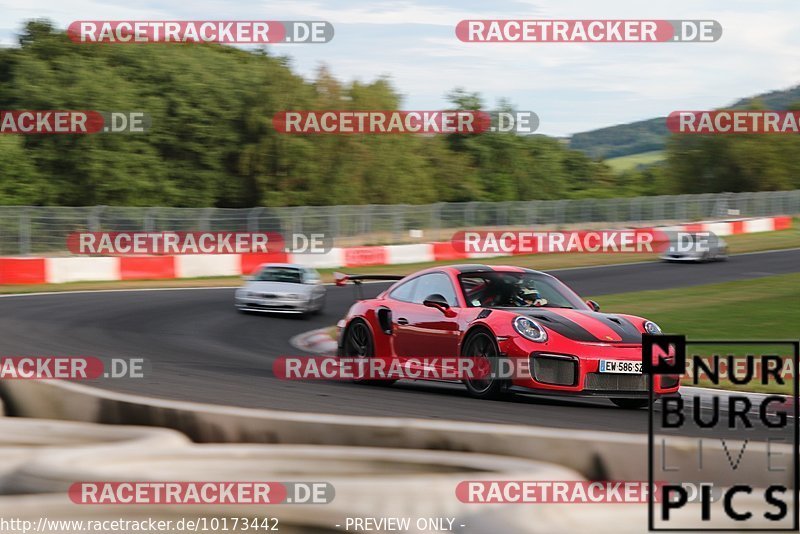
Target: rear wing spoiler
<point x="356" y="279"/>
<point x="342" y="279"/>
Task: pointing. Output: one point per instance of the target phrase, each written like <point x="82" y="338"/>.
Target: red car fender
<point x="367" y="311"/>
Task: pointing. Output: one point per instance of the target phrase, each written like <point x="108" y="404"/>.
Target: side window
<point x="311" y="276"/>
<point x="435" y="283"/>
<point x="405" y="291"/>
<point x="474" y="288"/>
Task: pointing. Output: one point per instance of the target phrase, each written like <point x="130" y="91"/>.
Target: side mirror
<point x="436" y="301"/>
<point x="593" y="305"/>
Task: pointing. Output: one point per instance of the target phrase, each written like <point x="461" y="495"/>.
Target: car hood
<point x="277" y="287"/>
<point x="584" y="325"/>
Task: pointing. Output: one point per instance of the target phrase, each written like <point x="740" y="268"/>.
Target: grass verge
<point x="763" y="308"/>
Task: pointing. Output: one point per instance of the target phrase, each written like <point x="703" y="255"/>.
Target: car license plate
<point x="621" y="366"/>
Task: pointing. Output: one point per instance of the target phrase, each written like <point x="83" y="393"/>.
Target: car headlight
<point x="651" y="328"/>
<point x="530" y="329"/>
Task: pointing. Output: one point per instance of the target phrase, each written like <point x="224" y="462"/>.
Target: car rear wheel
<point x="358" y="343"/>
<point x="482" y="346"/>
<point x="631" y="404"/>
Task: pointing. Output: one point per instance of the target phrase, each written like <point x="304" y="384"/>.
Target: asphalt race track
<point x="199" y="348"/>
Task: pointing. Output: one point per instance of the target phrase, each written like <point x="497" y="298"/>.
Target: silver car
<point x="282" y="288"/>
<point x="695" y="247"/>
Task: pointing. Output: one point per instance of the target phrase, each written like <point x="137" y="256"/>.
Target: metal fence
<point x="40" y="230"/>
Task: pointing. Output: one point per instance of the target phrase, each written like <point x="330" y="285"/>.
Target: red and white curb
<point x="42" y="270"/>
<point x="315" y="342"/>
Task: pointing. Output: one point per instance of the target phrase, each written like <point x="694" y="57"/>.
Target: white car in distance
<point x="282" y="288"/>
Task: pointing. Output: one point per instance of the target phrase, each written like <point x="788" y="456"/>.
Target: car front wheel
<point x="481" y="346"/>
<point x="358" y="343"/>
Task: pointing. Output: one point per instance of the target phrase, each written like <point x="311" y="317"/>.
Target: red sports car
<point x="490" y="313"/>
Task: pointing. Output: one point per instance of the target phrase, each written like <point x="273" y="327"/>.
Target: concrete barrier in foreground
<point x="21" y="440"/>
<point x="361" y="482"/>
<point x="595" y="455"/>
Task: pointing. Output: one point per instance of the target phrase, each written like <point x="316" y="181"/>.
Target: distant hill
<point x="622" y="140"/>
<point x="651" y="134"/>
<point x="773" y="99"/>
<point x="636" y="161"/>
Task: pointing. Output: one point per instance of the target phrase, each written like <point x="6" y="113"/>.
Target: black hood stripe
<point x="621" y="326"/>
<point x="568" y="328"/>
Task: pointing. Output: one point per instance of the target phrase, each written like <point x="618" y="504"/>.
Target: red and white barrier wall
<point x="77" y="268"/>
<point x="740" y="226"/>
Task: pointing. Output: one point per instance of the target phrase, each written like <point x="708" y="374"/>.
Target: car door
<point x="401" y="306"/>
<point x="425" y="331"/>
<point x="317" y="290"/>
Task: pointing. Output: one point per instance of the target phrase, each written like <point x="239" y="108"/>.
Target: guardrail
<point x="43" y="230"/>
<point x="43" y="270"/>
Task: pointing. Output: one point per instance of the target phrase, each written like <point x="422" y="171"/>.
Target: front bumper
<point x="273" y="305"/>
<point x="566" y="372"/>
<point x="681" y="257"/>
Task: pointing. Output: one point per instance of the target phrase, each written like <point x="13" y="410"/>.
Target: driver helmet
<point x="529" y="294"/>
<point x="528" y="291"/>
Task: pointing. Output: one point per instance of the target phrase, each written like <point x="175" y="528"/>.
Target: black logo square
<point x="663" y="354"/>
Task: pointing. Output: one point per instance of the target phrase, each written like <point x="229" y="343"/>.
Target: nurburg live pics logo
<point x="765" y="421"/>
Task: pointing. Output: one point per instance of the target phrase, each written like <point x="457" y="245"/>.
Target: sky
<point x="572" y="87"/>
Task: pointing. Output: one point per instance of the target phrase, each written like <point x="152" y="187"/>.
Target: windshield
<point x="279" y="274"/>
<point x="517" y="290"/>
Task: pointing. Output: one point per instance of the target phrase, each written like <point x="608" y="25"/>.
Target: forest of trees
<point x="212" y="142"/>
